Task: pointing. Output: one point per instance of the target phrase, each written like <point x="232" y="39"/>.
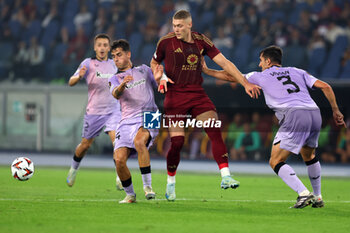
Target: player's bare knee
<point x="85" y="145"/>
<point x="140" y="145"/>
<point x="120" y="162"/>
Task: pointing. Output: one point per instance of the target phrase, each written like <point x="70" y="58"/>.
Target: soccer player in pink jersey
<point x="133" y="86"/>
<point x="102" y="110"/>
<point x="181" y="51"/>
<point x="286" y="92"/>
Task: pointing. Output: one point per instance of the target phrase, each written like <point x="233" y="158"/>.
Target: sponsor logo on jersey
<point x="192" y="59"/>
<point x="102" y="75"/>
<point x="134" y="84"/>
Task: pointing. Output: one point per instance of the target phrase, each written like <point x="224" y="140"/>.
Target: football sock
<point x="314" y="172"/>
<point x="76" y="162"/>
<point x="171" y="179"/>
<point x="173" y="156"/>
<point x="225" y="171"/>
<point x="218" y="147"/>
<point x="146" y="176"/>
<point x="289" y="177"/>
<point x="128" y="187"/>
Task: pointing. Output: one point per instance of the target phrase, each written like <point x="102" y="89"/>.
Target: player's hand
<point x="252" y="90"/>
<point x="204" y="65"/>
<point x="127" y="79"/>
<point x="162" y="88"/>
<point x="158" y="72"/>
<point x="82" y="72"/>
<point x="338" y="118"/>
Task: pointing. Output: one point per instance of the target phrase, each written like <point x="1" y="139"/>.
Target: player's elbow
<point x="322" y="85"/>
<point x="73" y="80"/>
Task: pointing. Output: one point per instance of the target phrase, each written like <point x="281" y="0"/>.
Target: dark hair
<point x="182" y="14"/>
<point x="124" y="44"/>
<point x="103" y="36"/>
<point x="273" y="52"/>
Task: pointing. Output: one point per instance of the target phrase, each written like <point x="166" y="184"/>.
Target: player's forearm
<point x="73" y="80"/>
<point x="153" y="65"/>
<point x="219" y="74"/>
<point x="234" y="74"/>
<point x="117" y="93"/>
<point x="328" y="92"/>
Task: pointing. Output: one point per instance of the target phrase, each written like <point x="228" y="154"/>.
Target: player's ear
<point x="268" y="61"/>
<point x="190" y="24"/>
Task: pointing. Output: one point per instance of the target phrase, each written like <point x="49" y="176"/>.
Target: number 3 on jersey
<point x="289" y="81"/>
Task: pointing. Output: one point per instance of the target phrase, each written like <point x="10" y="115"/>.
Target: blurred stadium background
<point x="42" y="43"/>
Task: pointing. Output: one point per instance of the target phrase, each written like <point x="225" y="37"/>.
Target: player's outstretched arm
<point x="75" y="78"/>
<point x="118" y="91"/>
<point x="219" y="74"/>
<point x="159" y="76"/>
<point x="328" y="92"/>
<point x="252" y="90"/>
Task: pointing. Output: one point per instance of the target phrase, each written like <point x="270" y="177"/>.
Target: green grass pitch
<point x="46" y="204"/>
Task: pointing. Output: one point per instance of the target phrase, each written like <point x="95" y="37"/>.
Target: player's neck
<point x="102" y="59"/>
<point x="277" y="65"/>
<point x="127" y="67"/>
<point x="188" y="38"/>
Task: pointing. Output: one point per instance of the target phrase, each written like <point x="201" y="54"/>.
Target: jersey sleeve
<point x="209" y="47"/>
<point x="252" y="77"/>
<point x="309" y="79"/>
<point x="150" y="76"/>
<point x="113" y="83"/>
<point x="85" y="63"/>
<point x="159" y="54"/>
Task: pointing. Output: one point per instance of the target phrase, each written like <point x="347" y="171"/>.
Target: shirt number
<point x="289" y="81"/>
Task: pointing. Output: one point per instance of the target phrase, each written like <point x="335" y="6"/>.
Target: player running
<point x="181" y="51"/>
<point x="286" y="92"/>
<point x="102" y="110"/>
<point x="133" y="86"/>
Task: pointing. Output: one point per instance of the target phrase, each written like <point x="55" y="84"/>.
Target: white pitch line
<point x="178" y="199"/>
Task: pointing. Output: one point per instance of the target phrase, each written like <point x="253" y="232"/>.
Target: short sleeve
<point x="113" y="83"/>
<point x="85" y="63"/>
<point x="252" y="77"/>
<point x="159" y="54"/>
<point x="209" y="47"/>
<point x="309" y="79"/>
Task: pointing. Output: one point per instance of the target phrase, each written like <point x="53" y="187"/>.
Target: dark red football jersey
<point x="182" y="60"/>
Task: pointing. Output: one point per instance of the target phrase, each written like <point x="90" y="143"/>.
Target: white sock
<point x="225" y="171"/>
<point x="171" y="179"/>
<point x="304" y="193"/>
<point x="147" y="180"/>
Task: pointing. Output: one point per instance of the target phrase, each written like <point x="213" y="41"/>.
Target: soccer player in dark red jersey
<point x="182" y="51"/>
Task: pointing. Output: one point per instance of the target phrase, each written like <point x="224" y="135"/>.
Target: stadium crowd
<point x="47" y="39"/>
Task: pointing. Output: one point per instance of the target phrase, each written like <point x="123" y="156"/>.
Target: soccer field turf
<point x="46" y="204"/>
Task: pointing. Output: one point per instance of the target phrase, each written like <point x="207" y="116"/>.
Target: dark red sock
<point x="218" y="147"/>
<point x="173" y="156"/>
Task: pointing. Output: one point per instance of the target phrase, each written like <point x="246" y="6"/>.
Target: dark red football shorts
<point x="190" y="100"/>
